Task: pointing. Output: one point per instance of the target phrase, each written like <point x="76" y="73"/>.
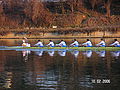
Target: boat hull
<point x="60" y="48"/>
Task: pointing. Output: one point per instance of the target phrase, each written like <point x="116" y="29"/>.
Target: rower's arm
<point x="113" y="44"/>
<point x="36" y="44"/>
<point x="72" y="44"/>
<point x="99" y="43"/>
<point x="84" y="43"/>
<point x="60" y="43"/>
<point x="48" y="44"/>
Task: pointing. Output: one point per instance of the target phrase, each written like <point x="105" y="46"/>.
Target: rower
<point x="62" y="44"/>
<point x="88" y="43"/>
<point x="39" y="44"/>
<point x="101" y="44"/>
<point x="75" y="43"/>
<point x="51" y="44"/>
<point x="116" y="43"/>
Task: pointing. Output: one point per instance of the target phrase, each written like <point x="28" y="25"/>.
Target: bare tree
<point x="93" y="3"/>
<point x="75" y="5"/>
<point x="38" y="14"/>
<point x="107" y="5"/>
<point x="62" y="6"/>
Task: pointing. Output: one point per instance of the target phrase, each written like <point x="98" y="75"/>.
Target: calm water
<point x="59" y="70"/>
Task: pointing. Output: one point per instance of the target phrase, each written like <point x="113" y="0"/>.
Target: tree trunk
<point x="93" y="3"/>
<point x="107" y="6"/>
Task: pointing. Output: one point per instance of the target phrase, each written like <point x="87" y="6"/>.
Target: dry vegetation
<point x="20" y="15"/>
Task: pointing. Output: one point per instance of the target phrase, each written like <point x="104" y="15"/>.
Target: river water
<point x="58" y="70"/>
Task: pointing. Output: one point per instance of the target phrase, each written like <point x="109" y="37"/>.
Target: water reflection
<point x="25" y="54"/>
<point x="46" y="81"/>
<point x="51" y="52"/>
<point x="75" y="53"/>
<point x="58" y="73"/>
<point x="101" y="53"/>
<point x="62" y="52"/>
<point x="87" y="53"/>
<point x="115" y="54"/>
<point x="6" y="80"/>
<point x="28" y="78"/>
<point x="39" y="53"/>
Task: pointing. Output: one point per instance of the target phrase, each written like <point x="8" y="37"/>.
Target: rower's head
<point x="38" y="40"/>
<point x="88" y="39"/>
<point x="50" y="40"/>
<point x="62" y="40"/>
<point x="115" y="39"/>
<point x="75" y="40"/>
<point x="101" y="39"/>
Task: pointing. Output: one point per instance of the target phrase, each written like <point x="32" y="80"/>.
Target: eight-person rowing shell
<point x="88" y="43"/>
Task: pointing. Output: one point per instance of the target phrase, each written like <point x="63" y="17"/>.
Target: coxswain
<point x="25" y="44"/>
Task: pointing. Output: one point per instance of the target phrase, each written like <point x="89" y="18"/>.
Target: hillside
<point x="21" y="14"/>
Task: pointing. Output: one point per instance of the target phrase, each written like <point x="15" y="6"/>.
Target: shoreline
<point x="63" y="33"/>
<point x="65" y="29"/>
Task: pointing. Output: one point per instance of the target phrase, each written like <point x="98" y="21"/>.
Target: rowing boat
<point x="60" y="48"/>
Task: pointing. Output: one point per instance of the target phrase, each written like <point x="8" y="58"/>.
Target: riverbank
<point x="95" y="34"/>
<point x="66" y="29"/>
<point x="55" y="33"/>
